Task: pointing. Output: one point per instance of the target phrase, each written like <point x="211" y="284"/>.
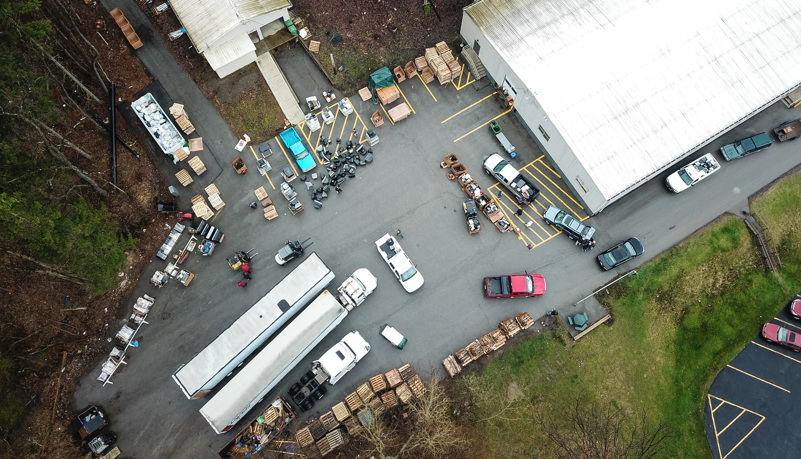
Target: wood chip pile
<point x="487" y="343"/>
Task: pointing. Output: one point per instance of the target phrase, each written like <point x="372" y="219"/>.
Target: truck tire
<point x="306" y="404"/>
<point x="294" y="389"/>
<point x="319" y="393"/>
<point x="306" y="378"/>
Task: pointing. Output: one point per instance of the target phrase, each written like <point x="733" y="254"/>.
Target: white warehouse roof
<point x="634" y="85"/>
<point x="206" y="21"/>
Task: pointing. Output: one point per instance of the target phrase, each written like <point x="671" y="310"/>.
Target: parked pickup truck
<point x="788" y="130"/>
<point x="692" y="173"/>
<point x="744" y="147"/>
<point x="514" y="286"/>
<point x="293" y="143"/>
<point x="511" y="178"/>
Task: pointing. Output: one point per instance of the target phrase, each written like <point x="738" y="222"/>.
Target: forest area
<point x="73" y="239"/>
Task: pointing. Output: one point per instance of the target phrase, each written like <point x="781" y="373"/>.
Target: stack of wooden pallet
<point x="177" y="111"/>
<point x="214" y="197"/>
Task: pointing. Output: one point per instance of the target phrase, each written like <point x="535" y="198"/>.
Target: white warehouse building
<point x="617" y="91"/>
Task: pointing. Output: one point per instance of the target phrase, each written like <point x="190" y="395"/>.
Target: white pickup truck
<point x="692" y="173"/>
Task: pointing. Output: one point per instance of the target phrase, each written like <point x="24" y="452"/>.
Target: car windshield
<point x="610" y="258"/>
<point x="529" y="284"/>
<point x="686" y="177"/>
<point x="500" y="166"/>
<point x="408" y="274"/>
<point x="782" y="334"/>
<point x="302" y="155"/>
<point x="630" y="249"/>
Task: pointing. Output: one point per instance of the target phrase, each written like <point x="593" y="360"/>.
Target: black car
<point x="166" y="207"/>
<point x="620" y="253"/>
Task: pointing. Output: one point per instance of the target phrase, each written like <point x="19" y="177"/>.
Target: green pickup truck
<point x="744" y="147"/>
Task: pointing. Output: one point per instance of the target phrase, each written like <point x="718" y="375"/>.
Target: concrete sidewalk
<point x="287" y="100"/>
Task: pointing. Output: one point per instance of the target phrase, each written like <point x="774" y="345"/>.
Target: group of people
<point x="587" y="245"/>
<point x="245" y="274"/>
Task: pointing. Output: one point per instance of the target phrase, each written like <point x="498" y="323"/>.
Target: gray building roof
<point x="206" y="21"/>
<point x="634" y="85"/>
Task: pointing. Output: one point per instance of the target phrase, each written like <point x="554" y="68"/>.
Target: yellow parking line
<point x="342" y="131"/>
<point x="509" y="212"/>
<point x="424" y="84"/>
<point x="787" y="323"/>
<point x="469" y="106"/>
<point x="482" y="125"/>
<point x="758" y="379"/>
<point x="714" y="424"/>
<point x="569" y="195"/>
<point x="777" y="352"/>
<point x="288" y="159"/>
<point x="353" y="129"/>
<point x="533" y="219"/>
<point x="468" y="79"/>
<point x="257" y="158"/>
<point x="404" y="98"/>
<point x="540" y="159"/>
<point x="731" y="422"/>
<point x="551" y="191"/>
<point x="461" y="74"/>
<point x="388" y="117"/>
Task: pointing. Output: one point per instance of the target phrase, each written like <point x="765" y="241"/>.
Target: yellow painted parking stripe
<point x="461" y="74"/>
<point x="469" y="106"/>
<point x="566" y="193"/>
<point x="758" y="378"/>
<point x="777" y="352"/>
<point x="540" y="159"/>
<point x="424" y="84"/>
<point x="482" y="125"/>
<point x="509" y="212"/>
<point x="722" y="402"/>
<point x="288" y="159"/>
<point x="534" y="220"/>
<point x="388" y="117"/>
<point x="731" y="422"/>
<point x="787" y="323"/>
<point x="257" y="158"/>
<point x="551" y="191"/>
<point x="404" y="98"/>
<point x="353" y="129"/>
<point x="714" y="424"/>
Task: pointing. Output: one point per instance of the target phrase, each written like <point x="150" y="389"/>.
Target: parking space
<point x="750" y="406"/>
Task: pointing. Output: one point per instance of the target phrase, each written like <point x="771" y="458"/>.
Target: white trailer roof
<point x="274" y="361"/>
<point x="634" y="85"/>
<point x="312" y="274"/>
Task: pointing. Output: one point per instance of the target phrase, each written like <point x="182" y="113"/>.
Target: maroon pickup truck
<point x="514" y="286"/>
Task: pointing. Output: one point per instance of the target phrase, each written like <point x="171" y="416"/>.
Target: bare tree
<point x="601" y="431"/>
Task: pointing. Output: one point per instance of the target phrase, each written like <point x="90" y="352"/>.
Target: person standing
<point x="246" y="275"/>
<point x="399" y="233"/>
<point x="242" y="284"/>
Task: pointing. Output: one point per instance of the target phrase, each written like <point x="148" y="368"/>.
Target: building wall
<point x="236" y="64"/>
<point x="533" y="116"/>
<point x="252" y="25"/>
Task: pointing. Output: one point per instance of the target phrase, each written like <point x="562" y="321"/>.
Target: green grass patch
<point x="254" y="112"/>
<point x="676" y="325"/>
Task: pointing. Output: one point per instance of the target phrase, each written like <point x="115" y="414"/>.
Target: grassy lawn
<point x="676" y="325"/>
<point x="253" y="111"/>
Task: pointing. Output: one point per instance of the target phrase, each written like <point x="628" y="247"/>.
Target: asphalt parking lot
<point x="751" y="407"/>
<point x="403" y="189"/>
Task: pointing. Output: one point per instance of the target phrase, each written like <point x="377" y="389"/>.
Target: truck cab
<point x="511" y="178"/>
<point x="341" y="358"/>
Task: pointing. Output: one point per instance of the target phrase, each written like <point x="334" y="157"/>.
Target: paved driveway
<point x="404" y="188"/>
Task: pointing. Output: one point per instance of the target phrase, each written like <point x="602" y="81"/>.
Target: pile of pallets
<point x="441" y="63"/>
<point x="487" y="343"/>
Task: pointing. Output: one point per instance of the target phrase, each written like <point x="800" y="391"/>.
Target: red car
<point x="795" y="309"/>
<point x="783" y="336"/>
<point x="514" y="286"/>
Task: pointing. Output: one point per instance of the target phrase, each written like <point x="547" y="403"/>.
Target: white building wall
<point x="251" y="26"/>
<point x="533" y="116"/>
<point x="236" y="64"/>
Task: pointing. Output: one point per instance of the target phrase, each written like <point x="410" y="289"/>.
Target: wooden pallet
<point x="417" y="386"/>
<point x="353" y="425"/>
<point x="261" y="193"/>
<point x="455" y="69"/>
<point x="389" y="399"/>
<point x="196" y="144"/>
<point x="364" y="93"/>
<point x="498" y="338"/>
<point x="376" y="406"/>
<point x="431" y="54"/>
<point x="406" y="372"/>
<point x="317" y="430"/>
<point x="200" y="208"/>
<point x="212" y="189"/>
<point x="442" y="47"/>
<point x="452" y="367"/>
<point x="197" y="165"/>
<point x="404" y="393"/>
<point x="180" y="153"/>
<point x="525" y="320"/>
<point x="510" y="327"/>
<point x="331" y="441"/>
<point x="447" y="56"/>
<point x="184" y="177"/>
<point x="378" y="383"/>
<point x="463" y="356"/>
<point x="341" y="411"/>
<point x="365" y="393"/>
<point x="185" y="125"/>
<point x="314" y="46"/>
<point x="304" y="437"/>
<point x="420" y="63"/>
<point x="393" y="378"/>
<point x="354" y="402"/>
<point x="329" y="421"/>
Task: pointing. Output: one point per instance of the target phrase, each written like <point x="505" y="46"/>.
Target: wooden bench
<point x="197" y="165"/>
<point x="184" y="177"/>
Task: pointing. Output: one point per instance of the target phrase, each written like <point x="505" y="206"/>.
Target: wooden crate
<point x="436" y="62"/>
<point x="354" y="402"/>
<point x="331" y="441"/>
<point x="427" y="75"/>
<point x="400" y="75"/>
<point x="376" y="406"/>
<point x="393" y="378"/>
<point x="197" y="165"/>
<point x="378" y="383"/>
<point x="365" y="393"/>
<point x="442" y="47"/>
<point x="417" y="386"/>
<point x="404" y="393"/>
<point x="196" y="144"/>
<point x="447" y="56"/>
<point x="420" y="63"/>
<point x="455" y="69"/>
<point x="399" y="112"/>
<point x="314" y="46"/>
<point x="431" y="54"/>
<point x="353" y="425"/>
<point x="364" y="93"/>
<point x="510" y="327"/>
<point x="463" y="356"/>
<point x="304" y="437"/>
<point x="498" y="338"/>
<point x="341" y="411"/>
<point x="388" y="95"/>
<point x="525" y="320"/>
<point x="452" y="367"/>
<point x="184" y="177"/>
<point x="389" y="399"/>
<point x="329" y="421"/>
<point x="406" y="372"/>
<point x="410" y="69"/>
